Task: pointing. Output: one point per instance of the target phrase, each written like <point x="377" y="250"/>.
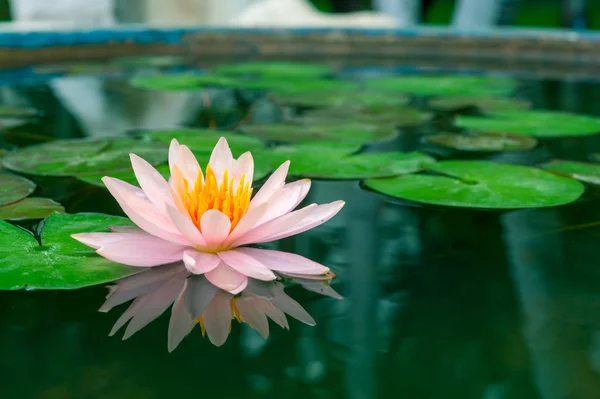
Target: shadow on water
<point x="439" y="303"/>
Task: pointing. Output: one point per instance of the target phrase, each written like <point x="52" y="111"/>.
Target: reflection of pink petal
<point x="200" y="262"/>
<point x="246" y="265"/>
<point x="215" y="227"/>
<point x="217" y="318"/>
<point x="253" y="314"/>
<point x="275" y="314"/>
<point x="181" y="322"/>
<point x="152" y="183"/>
<point x="271" y="186"/>
<point x="283" y="302"/>
<point x="227" y="279"/>
<point x="284" y="261"/>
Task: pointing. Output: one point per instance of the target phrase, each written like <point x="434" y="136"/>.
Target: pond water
<point x="439" y="302"/>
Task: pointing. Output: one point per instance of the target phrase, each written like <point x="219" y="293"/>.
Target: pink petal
<point x="284" y="261"/>
<point x="132" y="248"/>
<point x="200" y="262"/>
<point x="152" y="183"/>
<point x="271" y="186"/>
<point x="217" y="318"/>
<point x="215" y="227"/>
<point x="246" y="223"/>
<point x="227" y="279"/>
<point x="284" y="200"/>
<point x="283" y="302"/>
<point x="184" y="159"/>
<point x="185" y="226"/>
<point x="305" y="188"/>
<point x="318" y="216"/>
<point x="221" y="159"/>
<point x="253" y="315"/>
<point x="243" y="166"/>
<point x="246" y="265"/>
<point x="142" y="212"/>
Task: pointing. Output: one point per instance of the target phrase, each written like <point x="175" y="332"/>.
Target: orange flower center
<point x="210" y="195"/>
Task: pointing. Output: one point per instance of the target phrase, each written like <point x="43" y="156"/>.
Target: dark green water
<point x="439" y="303"/>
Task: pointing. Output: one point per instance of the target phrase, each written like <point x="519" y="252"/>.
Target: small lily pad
<point x="344" y="99"/>
<point x="362" y="166"/>
<point x="60" y="262"/>
<point x="583" y="171"/>
<point x="443" y="85"/>
<point x="483" y="141"/>
<point x="486" y="104"/>
<point x="14" y="188"/>
<point x="181" y="82"/>
<point x="480" y="184"/>
<point x="341" y="131"/>
<point x="276" y="69"/>
<point x="83" y="157"/>
<point x="204" y="140"/>
<point x="533" y="123"/>
<point x="388" y="115"/>
<point x="30" y="208"/>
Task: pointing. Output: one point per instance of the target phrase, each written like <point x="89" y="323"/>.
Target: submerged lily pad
<point x="204" y="140"/>
<point x="362" y="166"/>
<point x="346" y="99"/>
<point x="14" y="188"/>
<point x="60" y="262"/>
<point x="483" y="141"/>
<point x="276" y="69"/>
<point x="181" y="82"/>
<point x="348" y="132"/>
<point x="30" y="208"/>
<point x="485" y="104"/>
<point x="443" y="85"/>
<point x="480" y="184"/>
<point x="389" y="115"/>
<point x="83" y="157"/>
<point x="533" y="123"/>
<point x="586" y="172"/>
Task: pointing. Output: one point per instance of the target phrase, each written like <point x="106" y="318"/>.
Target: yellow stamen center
<point x="210" y="195"/>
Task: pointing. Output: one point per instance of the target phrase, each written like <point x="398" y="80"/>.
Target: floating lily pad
<point x="348" y="132"/>
<point x="14" y="188"/>
<point x="30" y="208"/>
<point x="181" y="82"/>
<point x="480" y="184"/>
<point x="485" y="104"/>
<point x="389" y="115"/>
<point x="483" y="141"/>
<point x="289" y="87"/>
<point x="10" y="111"/>
<point x="60" y="262"/>
<point x="204" y="140"/>
<point x="83" y="157"/>
<point x="443" y="85"/>
<point x="533" y="123"/>
<point x="346" y="99"/>
<point x="127" y="176"/>
<point x="279" y="154"/>
<point x="276" y="69"/>
<point x="586" y="172"/>
<point x="362" y="166"/>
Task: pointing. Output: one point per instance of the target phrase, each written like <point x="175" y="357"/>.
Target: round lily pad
<point x="345" y="99"/>
<point x="348" y="132"/>
<point x="486" y="104"/>
<point x="583" y="171"/>
<point x="360" y="166"/>
<point x="389" y="115"/>
<point x="276" y="69"/>
<point x="483" y="141"/>
<point x="289" y="87"/>
<point x="533" y="123"/>
<point x="443" y="85"/>
<point x="60" y="262"/>
<point x="181" y="82"/>
<point x="14" y="188"/>
<point x="480" y="184"/>
<point x="83" y="157"/>
<point x="30" y="208"/>
<point x="204" y="140"/>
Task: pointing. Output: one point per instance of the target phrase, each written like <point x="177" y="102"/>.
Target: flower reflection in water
<point x="196" y="301"/>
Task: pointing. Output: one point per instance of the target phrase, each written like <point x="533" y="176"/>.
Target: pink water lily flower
<point x="206" y="219"/>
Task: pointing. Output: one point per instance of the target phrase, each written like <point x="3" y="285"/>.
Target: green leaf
<point x="203" y="141"/>
<point x="348" y="132"/>
<point x="14" y="188"/>
<point x="83" y="157"/>
<point x="182" y="82"/>
<point x="533" y="123"/>
<point x="60" y="262"/>
<point x="288" y="87"/>
<point x="486" y="104"/>
<point x="389" y="115"/>
<point x="443" y="85"/>
<point x="482" y="141"/>
<point x="30" y="208"/>
<point x="353" y="99"/>
<point x="276" y="69"/>
<point x="127" y="176"/>
<point x="583" y="171"/>
<point x="480" y="184"/>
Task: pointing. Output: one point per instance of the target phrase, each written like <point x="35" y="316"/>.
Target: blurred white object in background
<point x="296" y="13"/>
<point x="406" y="12"/>
<point x="62" y="12"/>
<point x="191" y="12"/>
<point x="476" y="14"/>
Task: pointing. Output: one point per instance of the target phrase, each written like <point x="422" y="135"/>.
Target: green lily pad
<point x="483" y="141"/>
<point x="362" y="166"/>
<point x="276" y="69"/>
<point x="443" y="85"/>
<point x="533" y="123"/>
<point x="60" y="262"/>
<point x="583" y="171"/>
<point x="344" y="99"/>
<point x="83" y="157"/>
<point x="202" y="141"/>
<point x="181" y="82"/>
<point x="30" y="208"/>
<point x="480" y="184"/>
<point x="279" y="154"/>
<point x="289" y="87"/>
<point x="388" y="115"/>
<point x="348" y="132"/>
<point x="14" y="111"/>
<point x="485" y="104"/>
<point x="14" y="188"/>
